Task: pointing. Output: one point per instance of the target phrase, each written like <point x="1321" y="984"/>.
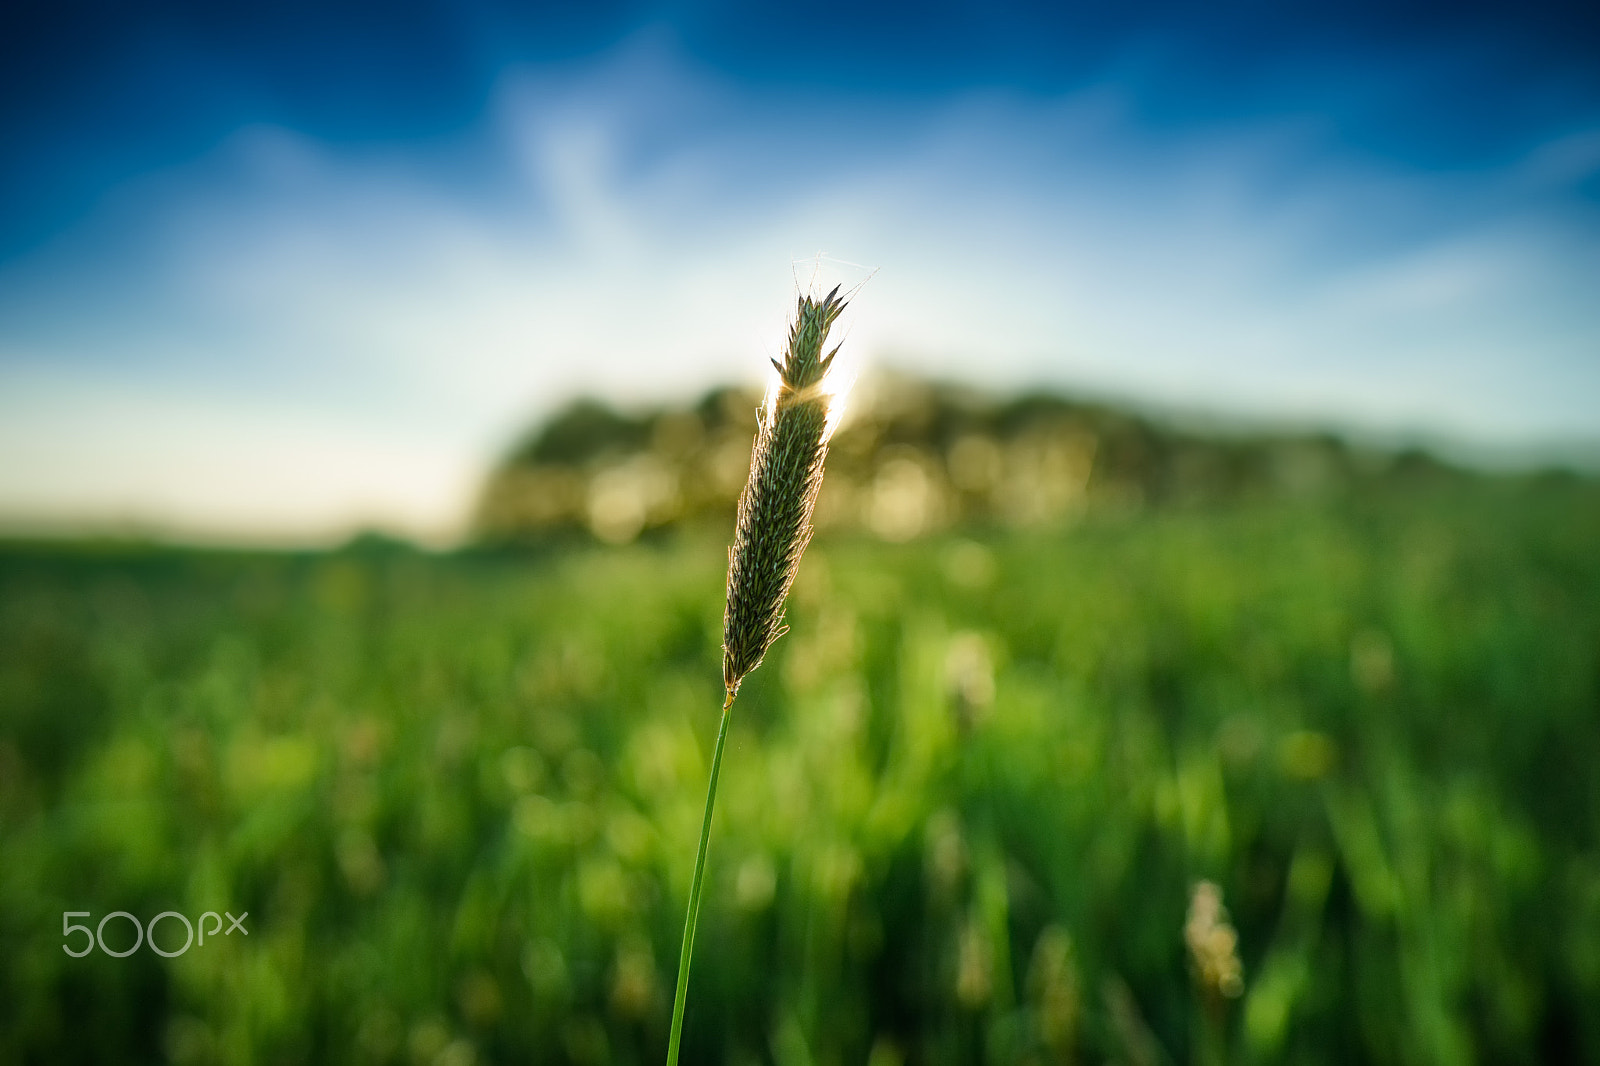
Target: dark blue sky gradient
<point x="93" y="94"/>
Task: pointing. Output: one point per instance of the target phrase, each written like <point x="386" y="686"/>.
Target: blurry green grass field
<point x="964" y="803"/>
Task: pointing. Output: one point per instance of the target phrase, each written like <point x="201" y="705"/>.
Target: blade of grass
<point x="692" y="919"/>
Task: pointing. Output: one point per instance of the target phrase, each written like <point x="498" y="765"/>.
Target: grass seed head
<point x="1213" y="944"/>
<point x="774" y="520"/>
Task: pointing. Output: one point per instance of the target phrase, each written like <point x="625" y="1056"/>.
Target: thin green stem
<point x="693" y="917"/>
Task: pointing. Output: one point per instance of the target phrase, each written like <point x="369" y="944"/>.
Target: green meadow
<point x="965" y="803"/>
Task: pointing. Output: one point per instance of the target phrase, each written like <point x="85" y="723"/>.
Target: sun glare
<point x="835" y="388"/>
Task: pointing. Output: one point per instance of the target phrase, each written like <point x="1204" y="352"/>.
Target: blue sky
<point x="276" y="272"/>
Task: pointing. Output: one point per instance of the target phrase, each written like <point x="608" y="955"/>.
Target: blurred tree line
<point x="912" y="458"/>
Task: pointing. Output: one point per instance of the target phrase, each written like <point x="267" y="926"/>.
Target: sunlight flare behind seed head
<point x="835" y="390"/>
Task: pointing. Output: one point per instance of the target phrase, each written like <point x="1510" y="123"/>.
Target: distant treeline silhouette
<point x="912" y="457"/>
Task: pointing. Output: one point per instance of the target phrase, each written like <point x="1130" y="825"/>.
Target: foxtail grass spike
<point x="774" y="523"/>
<point x="771" y="532"/>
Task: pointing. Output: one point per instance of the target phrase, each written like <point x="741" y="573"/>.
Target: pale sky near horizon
<point x="249" y="293"/>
